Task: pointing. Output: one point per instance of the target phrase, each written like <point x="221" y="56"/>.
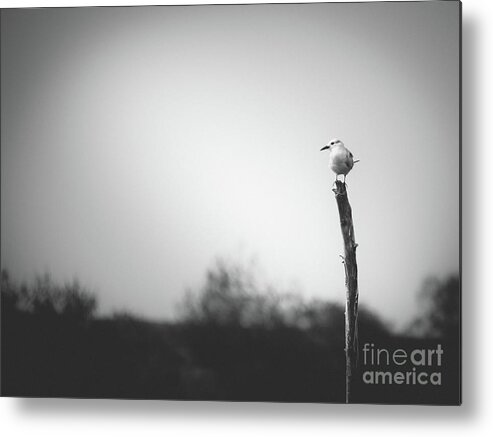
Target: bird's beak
<point x="325" y="147"/>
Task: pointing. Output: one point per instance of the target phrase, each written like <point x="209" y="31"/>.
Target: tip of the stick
<point x="339" y="188"/>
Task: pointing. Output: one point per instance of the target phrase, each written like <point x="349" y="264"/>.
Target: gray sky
<point x="139" y="144"/>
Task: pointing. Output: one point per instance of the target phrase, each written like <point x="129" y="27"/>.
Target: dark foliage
<point x="234" y="340"/>
<point x="440" y="309"/>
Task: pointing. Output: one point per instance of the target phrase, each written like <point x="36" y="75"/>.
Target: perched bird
<point x="340" y="159"/>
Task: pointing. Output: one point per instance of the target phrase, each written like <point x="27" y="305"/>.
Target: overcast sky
<point x="139" y="144"/>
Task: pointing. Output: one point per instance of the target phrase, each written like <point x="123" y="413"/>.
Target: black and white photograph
<point x="245" y="202"/>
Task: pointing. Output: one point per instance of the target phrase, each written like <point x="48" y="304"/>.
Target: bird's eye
<point x="332" y="143"/>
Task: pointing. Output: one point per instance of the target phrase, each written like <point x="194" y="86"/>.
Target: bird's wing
<point x="349" y="159"/>
<point x="352" y="157"/>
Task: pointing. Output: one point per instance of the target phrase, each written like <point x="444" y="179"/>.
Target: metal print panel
<point x="232" y="202"/>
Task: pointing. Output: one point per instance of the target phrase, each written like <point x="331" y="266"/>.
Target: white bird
<point x="340" y="159"/>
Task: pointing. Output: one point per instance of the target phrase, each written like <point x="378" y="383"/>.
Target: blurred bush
<point x="234" y="339"/>
<point x="44" y="298"/>
<point x="439" y="314"/>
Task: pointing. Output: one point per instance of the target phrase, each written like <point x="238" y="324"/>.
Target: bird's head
<point x="332" y="143"/>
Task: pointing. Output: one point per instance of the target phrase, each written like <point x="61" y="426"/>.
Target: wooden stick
<point x="351" y="270"/>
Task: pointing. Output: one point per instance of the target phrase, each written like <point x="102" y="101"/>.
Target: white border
<point x="20" y="417"/>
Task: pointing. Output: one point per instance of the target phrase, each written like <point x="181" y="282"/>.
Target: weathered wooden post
<point x="351" y="270"/>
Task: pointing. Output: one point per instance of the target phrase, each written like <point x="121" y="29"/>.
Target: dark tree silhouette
<point x="439" y="315"/>
<point x="235" y="339"/>
<point x="231" y="296"/>
<point x="45" y="298"/>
